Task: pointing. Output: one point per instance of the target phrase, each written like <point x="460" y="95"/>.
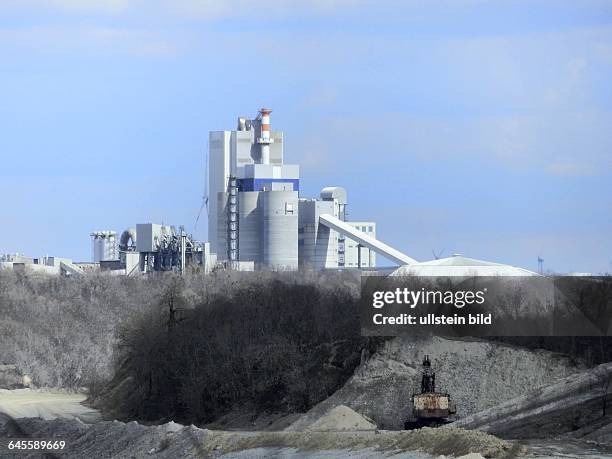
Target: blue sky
<point x="473" y="127"/>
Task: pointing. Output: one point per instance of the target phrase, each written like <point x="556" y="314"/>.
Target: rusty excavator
<point x="429" y="408"/>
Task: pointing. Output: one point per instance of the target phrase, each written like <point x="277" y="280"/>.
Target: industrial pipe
<point x="126" y="236"/>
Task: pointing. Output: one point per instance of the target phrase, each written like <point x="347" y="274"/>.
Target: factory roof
<point x="458" y="265"/>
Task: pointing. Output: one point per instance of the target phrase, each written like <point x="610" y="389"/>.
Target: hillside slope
<point x="580" y="404"/>
<point x="477" y="374"/>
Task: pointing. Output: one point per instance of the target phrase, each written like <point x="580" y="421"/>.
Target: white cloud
<point x="215" y="9"/>
<point x="186" y="9"/>
<point x="526" y="101"/>
<point x="65" y="6"/>
<point x="87" y="40"/>
<point x="89" y="6"/>
<point x="562" y="144"/>
<point x="571" y="169"/>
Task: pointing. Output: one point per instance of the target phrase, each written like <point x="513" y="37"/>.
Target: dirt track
<point x="28" y="403"/>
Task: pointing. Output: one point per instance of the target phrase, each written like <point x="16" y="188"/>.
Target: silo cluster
<point x="104" y="246"/>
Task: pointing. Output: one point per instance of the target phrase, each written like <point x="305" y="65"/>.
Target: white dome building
<point x="458" y="265"/>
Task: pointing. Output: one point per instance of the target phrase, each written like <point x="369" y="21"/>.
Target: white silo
<point x="280" y="229"/>
<point x="250" y="226"/>
<point x="104" y="246"/>
<point x="95" y="246"/>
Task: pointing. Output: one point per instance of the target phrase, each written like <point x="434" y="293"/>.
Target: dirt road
<point x="46" y="404"/>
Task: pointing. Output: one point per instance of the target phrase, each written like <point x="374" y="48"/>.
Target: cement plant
<point x="257" y="220"/>
<point x="306" y="230"/>
<point x="263" y="341"/>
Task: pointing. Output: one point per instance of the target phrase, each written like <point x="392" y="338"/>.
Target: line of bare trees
<point x="277" y="342"/>
<point x="61" y="331"/>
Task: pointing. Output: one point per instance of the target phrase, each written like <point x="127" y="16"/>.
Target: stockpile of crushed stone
<point x="118" y="439"/>
<point x="477" y="374"/>
<point x="455" y="442"/>
<point x="110" y="438"/>
<point x="341" y="418"/>
<point x="293" y="453"/>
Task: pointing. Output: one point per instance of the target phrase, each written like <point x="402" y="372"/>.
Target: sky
<point x="465" y="126"/>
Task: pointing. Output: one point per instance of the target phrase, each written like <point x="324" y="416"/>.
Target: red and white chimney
<point x="265" y="140"/>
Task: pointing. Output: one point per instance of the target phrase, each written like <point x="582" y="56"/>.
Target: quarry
<point x="511" y="401"/>
<point x="248" y="344"/>
<point x="236" y="229"/>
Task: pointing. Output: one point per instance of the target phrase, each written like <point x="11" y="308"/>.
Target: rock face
<point x="477" y="374"/>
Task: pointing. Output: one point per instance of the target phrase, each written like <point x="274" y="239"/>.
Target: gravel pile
<point x="573" y="405"/>
<point x="455" y="442"/>
<point x="341" y="418"/>
<point x="477" y="374"/>
<point x="129" y="440"/>
<point x="111" y="438"/>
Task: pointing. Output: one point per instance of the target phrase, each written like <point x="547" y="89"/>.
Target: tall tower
<point x="254" y="217"/>
<point x="265" y="140"/>
<point x="540" y="265"/>
<point x="219" y="145"/>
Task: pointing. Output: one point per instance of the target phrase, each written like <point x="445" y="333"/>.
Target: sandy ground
<point x="425" y="441"/>
<point x="340" y="433"/>
<point x="45" y="404"/>
<point x="64" y="417"/>
<point x="292" y="453"/>
<point x="132" y="440"/>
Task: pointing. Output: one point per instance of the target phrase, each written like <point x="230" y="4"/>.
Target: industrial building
<point x="104" y="246"/>
<point x="154" y="247"/>
<point x="459" y="266"/>
<point x="257" y="217"/>
<point x="46" y="264"/>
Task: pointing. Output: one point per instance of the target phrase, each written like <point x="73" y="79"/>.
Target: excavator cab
<point x="429" y="408"/>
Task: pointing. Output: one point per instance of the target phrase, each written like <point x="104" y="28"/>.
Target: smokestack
<point x="265" y="135"/>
